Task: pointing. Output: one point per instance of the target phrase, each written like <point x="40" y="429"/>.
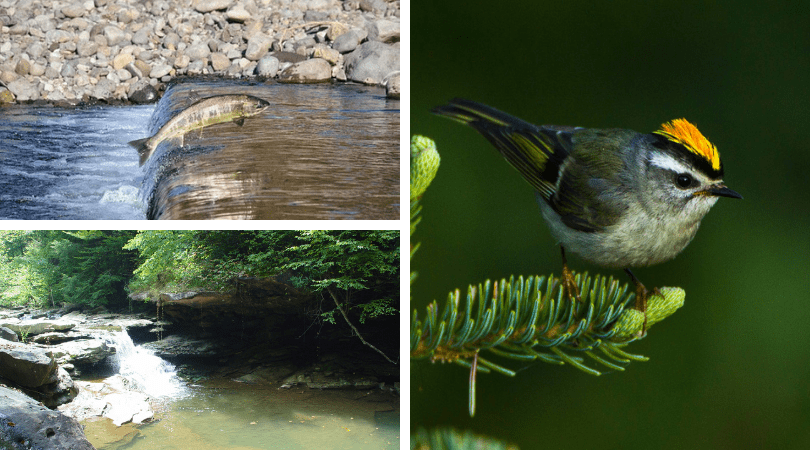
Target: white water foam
<point x="149" y="373"/>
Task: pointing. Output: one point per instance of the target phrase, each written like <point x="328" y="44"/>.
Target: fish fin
<point x="143" y="149"/>
<point x="239" y="121"/>
<point x="139" y="144"/>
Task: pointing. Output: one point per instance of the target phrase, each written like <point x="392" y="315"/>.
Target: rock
<point x="37" y="70"/>
<point x="392" y="85"/>
<point x="141" y="37"/>
<point x="238" y="14"/>
<point x="6" y="97"/>
<point x="23" y="67"/>
<point x="82" y="351"/>
<point x="219" y="61"/>
<point x="24" y="420"/>
<point x="181" y="62"/>
<point x="126" y="406"/>
<point x="198" y="52"/>
<point x="73" y="10"/>
<point x="59" y="392"/>
<point x="114" y="35"/>
<point x="371" y="62"/>
<point x="205" y="6"/>
<point x="331" y="55"/>
<point x="143" y="93"/>
<point x="314" y="70"/>
<point x="384" y="31"/>
<point x="6" y="333"/>
<point x="267" y="67"/>
<point x="160" y="70"/>
<point x="86" y="48"/>
<point x="143" y="67"/>
<point x="171" y="41"/>
<point x="258" y="46"/>
<point x="121" y="60"/>
<point x="34" y="327"/>
<point x="346" y="42"/>
<point x="26" y="365"/>
<point x="175" y="346"/>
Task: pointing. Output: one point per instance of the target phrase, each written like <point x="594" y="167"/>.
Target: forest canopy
<point x="49" y="268"/>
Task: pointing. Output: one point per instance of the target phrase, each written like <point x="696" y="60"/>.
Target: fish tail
<point x="143" y="148"/>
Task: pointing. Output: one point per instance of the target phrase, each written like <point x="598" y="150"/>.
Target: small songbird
<point x="617" y="198"/>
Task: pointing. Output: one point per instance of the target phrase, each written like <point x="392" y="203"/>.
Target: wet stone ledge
<point x="125" y="50"/>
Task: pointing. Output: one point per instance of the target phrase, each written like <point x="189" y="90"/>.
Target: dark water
<point x="318" y="152"/>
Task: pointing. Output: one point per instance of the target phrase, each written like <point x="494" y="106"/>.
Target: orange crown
<point x="683" y="132"/>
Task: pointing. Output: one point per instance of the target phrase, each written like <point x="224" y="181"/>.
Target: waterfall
<point x="149" y="373"/>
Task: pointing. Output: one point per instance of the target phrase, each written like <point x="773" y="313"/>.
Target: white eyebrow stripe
<point x="667" y="162"/>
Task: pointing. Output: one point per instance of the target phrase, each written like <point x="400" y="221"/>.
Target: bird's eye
<point x="683" y="180"/>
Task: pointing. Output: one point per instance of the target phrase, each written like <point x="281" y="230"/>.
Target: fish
<point x="205" y="112"/>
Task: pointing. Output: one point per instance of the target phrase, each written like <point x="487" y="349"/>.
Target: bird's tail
<point x="534" y="151"/>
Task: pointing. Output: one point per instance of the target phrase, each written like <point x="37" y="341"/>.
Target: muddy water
<point x="226" y="415"/>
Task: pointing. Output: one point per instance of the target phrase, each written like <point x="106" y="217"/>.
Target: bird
<point x="618" y="198"/>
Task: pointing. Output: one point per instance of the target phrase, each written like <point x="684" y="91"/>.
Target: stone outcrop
<point x="27" y="424"/>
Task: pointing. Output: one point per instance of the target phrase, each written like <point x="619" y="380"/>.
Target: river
<point x="326" y="151"/>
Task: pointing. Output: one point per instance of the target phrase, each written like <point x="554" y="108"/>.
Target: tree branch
<point x="356" y="331"/>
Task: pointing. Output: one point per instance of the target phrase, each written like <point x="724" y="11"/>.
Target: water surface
<point x="226" y="415"/>
<point x="319" y="152"/>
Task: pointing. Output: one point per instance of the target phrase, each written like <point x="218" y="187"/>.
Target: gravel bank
<point x="125" y="50"/>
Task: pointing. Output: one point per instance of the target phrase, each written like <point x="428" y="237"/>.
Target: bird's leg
<point x="642" y="294"/>
<point x="569" y="283"/>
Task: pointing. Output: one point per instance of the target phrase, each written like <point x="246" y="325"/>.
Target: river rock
<point x="127" y="407"/>
<point x="267" y="67"/>
<point x="86" y="48"/>
<point x="114" y="35"/>
<point x="205" y="6"/>
<point x="315" y="70"/>
<point x="331" y="55"/>
<point x="238" y="13"/>
<point x="26" y="424"/>
<point x="347" y="41"/>
<point x="384" y="31"/>
<point x="23" y="67"/>
<point x="121" y="60"/>
<point x="371" y="62"/>
<point x="79" y="352"/>
<point x="258" y="46"/>
<point x="34" y="327"/>
<point x="392" y="86"/>
<point x="26" y="365"/>
<point x="7" y="333"/>
<point x="160" y="70"/>
<point x="73" y="10"/>
<point x="59" y="392"/>
<point x="141" y="37"/>
<point x="198" y="51"/>
<point x="219" y="61"/>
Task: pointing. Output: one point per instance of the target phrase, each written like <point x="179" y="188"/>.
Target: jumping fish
<point x="208" y="111"/>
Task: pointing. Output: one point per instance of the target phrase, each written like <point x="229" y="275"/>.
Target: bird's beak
<point x="722" y="191"/>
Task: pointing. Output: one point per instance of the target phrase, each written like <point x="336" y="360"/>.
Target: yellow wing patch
<point x="683" y="132"/>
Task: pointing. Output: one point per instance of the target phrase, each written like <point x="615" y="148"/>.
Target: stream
<point x="220" y="413"/>
<point x="327" y="151"/>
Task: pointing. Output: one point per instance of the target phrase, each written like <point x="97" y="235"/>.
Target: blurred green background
<point x="731" y="369"/>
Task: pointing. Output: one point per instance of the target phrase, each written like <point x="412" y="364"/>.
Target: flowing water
<point x="319" y="152"/>
<point x="149" y="373"/>
<point x="222" y="414"/>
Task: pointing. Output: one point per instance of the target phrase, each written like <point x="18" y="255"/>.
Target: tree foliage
<point x="49" y="267"/>
<point x="360" y="268"/>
